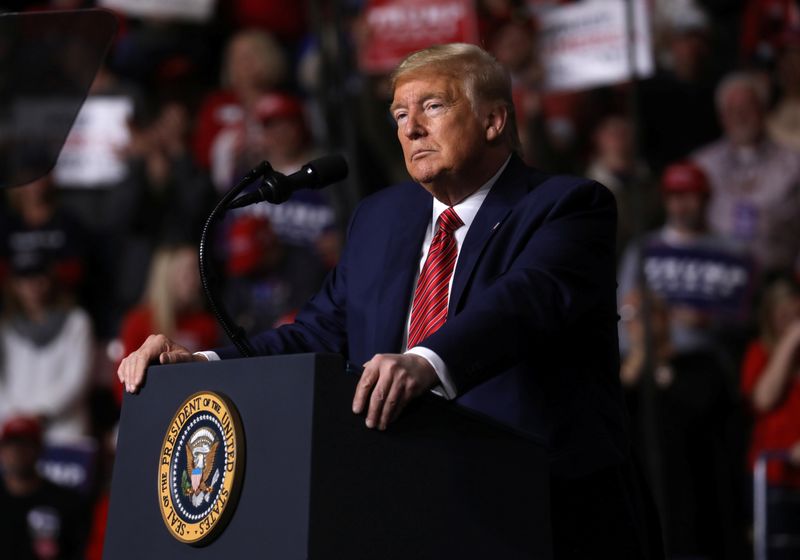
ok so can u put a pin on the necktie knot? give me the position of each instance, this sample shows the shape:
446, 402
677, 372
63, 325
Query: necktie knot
449, 221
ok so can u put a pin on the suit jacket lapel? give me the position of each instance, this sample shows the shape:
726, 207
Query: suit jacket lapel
400, 266
510, 187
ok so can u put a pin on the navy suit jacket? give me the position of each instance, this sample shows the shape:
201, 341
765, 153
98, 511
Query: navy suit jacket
531, 337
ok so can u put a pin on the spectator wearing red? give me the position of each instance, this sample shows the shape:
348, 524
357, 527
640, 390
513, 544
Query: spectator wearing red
268, 280
173, 303
283, 138
254, 64
771, 380
763, 24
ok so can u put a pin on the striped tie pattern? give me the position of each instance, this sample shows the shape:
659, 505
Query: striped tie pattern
431, 298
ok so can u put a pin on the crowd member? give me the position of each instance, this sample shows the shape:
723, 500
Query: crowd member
46, 352
614, 164
513, 44
172, 303
755, 183
705, 280
694, 406
285, 19
771, 380
165, 196
267, 280
764, 23
308, 219
37, 225
677, 103
535, 272
41, 521
783, 122
254, 64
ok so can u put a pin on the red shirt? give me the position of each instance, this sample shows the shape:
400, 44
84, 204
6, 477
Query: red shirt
775, 429
196, 331
219, 110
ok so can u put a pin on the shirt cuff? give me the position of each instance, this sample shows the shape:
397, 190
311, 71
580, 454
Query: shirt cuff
447, 388
210, 355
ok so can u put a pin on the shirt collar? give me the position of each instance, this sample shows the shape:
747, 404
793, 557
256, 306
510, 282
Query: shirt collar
468, 208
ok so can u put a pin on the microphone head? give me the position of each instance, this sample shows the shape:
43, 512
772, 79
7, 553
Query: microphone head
326, 170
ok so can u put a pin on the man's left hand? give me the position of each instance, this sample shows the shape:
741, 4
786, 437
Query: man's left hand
387, 385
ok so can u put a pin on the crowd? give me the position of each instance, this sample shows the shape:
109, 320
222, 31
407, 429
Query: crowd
703, 158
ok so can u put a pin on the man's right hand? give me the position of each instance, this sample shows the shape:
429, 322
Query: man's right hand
157, 346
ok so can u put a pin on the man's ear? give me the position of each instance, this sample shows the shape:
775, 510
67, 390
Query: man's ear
495, 121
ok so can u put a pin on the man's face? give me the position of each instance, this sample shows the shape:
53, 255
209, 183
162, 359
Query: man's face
741, 116
686, 211
18, 456
441, 136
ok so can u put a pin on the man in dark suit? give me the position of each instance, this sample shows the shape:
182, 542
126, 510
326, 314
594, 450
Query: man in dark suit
498, 291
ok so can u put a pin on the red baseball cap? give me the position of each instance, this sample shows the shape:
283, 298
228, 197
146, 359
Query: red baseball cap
684, 177
278, 105
22, 427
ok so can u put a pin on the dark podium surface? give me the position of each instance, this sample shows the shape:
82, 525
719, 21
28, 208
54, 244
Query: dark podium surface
439, 483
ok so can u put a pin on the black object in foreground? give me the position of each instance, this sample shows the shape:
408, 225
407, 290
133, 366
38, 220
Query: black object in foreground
277, 187
47, 63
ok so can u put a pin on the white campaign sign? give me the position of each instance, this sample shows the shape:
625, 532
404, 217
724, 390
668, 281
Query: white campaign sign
585, 45
188, 10
92, 154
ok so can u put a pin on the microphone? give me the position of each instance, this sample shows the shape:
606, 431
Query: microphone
277, 187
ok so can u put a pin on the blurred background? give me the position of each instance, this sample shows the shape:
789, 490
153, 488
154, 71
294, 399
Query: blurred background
687, 110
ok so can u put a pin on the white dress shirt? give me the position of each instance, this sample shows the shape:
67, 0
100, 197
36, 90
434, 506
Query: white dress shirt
467, 209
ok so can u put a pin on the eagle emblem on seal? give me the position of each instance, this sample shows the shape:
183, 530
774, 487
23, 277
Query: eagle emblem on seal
197, 482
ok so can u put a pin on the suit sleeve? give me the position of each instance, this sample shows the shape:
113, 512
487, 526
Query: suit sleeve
561, 277
320, 326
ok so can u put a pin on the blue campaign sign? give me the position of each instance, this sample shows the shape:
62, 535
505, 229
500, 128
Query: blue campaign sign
716, 281
72, 466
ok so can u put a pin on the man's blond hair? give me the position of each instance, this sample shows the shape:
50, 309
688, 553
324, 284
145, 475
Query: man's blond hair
483, 79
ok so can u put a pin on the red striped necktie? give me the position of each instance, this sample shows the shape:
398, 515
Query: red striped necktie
429, 308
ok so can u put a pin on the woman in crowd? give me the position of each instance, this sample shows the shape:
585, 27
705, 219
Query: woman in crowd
172, 304
771, 380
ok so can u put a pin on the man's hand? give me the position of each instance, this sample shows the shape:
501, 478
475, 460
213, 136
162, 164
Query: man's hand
132, 369
388, 383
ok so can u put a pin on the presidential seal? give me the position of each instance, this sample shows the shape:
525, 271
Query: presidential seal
200, 468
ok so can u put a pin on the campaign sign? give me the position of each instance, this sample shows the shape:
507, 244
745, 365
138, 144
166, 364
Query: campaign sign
396, 28
195, 11
70, 465
587, 44
714, 281
93, 154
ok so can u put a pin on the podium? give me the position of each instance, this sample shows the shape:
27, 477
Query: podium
439, 483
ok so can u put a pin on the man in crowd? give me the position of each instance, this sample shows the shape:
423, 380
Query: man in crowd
479, 282
704, 279
755, 183
41, 521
